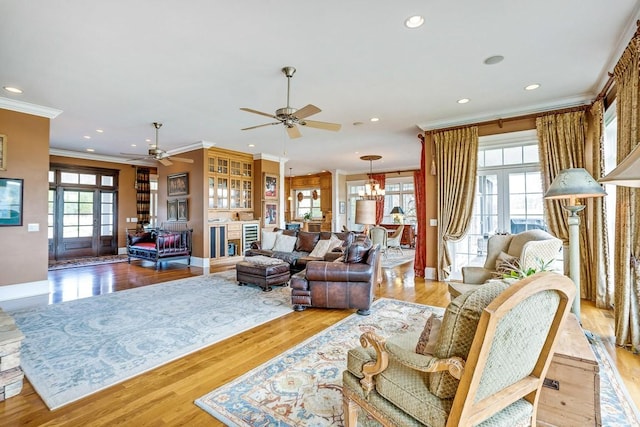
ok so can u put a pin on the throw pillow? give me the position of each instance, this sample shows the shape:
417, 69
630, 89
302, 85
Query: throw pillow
427, 341
284, 243
505, 264
269, 239
307, 241
321, 248
357, 252
335, 243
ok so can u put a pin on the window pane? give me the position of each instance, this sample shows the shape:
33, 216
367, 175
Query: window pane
87, 179
106, 197
69, 178
493, 157
534, 183
86, 197
85, 231
106, 181
52, 176
512, 155
70, 232
516, 183
71, 196
85, 219
530, 153
106, 230
86, 208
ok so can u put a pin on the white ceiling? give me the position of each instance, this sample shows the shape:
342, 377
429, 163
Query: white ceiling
121, 65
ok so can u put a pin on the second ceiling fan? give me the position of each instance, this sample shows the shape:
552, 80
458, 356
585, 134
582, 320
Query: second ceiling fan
290, 117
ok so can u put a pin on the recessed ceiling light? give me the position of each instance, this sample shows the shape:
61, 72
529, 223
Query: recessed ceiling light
252, 145
99, 130
12, 89
533, 86
463, 100
495, 59
147, 140
87, 137
133, 145
374, 119
414, 21
91, 150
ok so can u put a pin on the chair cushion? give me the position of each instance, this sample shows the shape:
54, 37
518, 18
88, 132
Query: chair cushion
458, 329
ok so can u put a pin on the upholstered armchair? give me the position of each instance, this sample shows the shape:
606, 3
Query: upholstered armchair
378, 236
347, 283
393, 241
486, 364
527, 249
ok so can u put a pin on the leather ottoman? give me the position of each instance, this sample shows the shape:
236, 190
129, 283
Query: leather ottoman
257, 271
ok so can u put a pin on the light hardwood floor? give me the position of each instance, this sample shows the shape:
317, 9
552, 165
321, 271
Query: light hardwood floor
165, 395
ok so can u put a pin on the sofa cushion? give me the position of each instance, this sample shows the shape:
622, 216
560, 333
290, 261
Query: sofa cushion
321, 248
140, 237
284, 243
268, 239
357, 251
307, 241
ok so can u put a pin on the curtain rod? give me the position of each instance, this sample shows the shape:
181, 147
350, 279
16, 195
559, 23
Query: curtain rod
500, 122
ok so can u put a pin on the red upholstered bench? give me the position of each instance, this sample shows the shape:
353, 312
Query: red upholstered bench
159, 245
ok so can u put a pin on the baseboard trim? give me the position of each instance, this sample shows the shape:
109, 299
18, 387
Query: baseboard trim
24, 294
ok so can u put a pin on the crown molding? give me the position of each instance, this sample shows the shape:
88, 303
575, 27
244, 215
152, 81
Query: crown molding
98, 157
534, 109
191, 147
27, 108
271, 157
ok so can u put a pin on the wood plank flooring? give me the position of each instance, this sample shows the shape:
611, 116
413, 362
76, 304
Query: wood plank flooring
165, 395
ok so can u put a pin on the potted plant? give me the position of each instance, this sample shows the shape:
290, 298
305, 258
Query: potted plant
307, 217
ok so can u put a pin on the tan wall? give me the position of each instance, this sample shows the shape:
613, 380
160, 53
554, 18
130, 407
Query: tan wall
261, 167
23, 255
126, 190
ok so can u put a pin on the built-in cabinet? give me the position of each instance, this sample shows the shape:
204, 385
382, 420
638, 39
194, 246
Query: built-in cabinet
229, 182
231, 238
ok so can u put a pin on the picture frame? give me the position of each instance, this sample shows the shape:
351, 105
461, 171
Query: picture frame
11, 196
270, 186
270, 214
343, 208
178, 184
172, 210
3, 152
183, 210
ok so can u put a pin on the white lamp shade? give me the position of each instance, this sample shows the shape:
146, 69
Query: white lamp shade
627, 173
365, 212
574, 183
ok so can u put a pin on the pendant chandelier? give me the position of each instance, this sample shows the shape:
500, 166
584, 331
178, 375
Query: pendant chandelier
372, 190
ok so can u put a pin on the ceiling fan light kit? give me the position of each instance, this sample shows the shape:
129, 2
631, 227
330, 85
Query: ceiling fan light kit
291, 117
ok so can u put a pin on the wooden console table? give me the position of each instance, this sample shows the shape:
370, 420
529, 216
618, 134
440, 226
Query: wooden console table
408, 234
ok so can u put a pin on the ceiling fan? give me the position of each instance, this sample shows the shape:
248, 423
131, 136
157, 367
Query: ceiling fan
155, 153
290, 117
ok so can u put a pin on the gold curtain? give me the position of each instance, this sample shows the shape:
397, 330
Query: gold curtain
627, 235
600, 289
561, 139
457, 163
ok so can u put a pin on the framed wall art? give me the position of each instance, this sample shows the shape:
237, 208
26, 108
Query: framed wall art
183, 210
270, 214
270, 186
11, 191
172, 210
3, 152
178, 184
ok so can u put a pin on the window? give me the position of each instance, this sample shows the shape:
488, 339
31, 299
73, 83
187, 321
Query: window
610, 162
400, 192
308, 202
509, 196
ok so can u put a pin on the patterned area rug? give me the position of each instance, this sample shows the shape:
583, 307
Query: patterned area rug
394, 258
302, 387
82, 262
77, 348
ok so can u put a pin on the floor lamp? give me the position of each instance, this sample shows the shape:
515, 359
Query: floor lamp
572, 184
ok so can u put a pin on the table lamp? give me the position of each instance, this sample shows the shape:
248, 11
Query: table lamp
398, 214
366, 213
572, 184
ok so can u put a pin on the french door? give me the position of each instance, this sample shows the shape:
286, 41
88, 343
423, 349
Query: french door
82, 218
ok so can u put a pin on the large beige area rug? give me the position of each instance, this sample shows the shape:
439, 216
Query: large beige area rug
76, 348
302, 387
86, 261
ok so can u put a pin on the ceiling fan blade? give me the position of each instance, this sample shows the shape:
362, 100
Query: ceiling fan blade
293, 131
165, 162
321, 125
249, 110
306, 111
180, 159
259, 126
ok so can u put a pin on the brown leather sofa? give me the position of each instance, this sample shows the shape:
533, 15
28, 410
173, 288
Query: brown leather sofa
346, 284
306, 240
